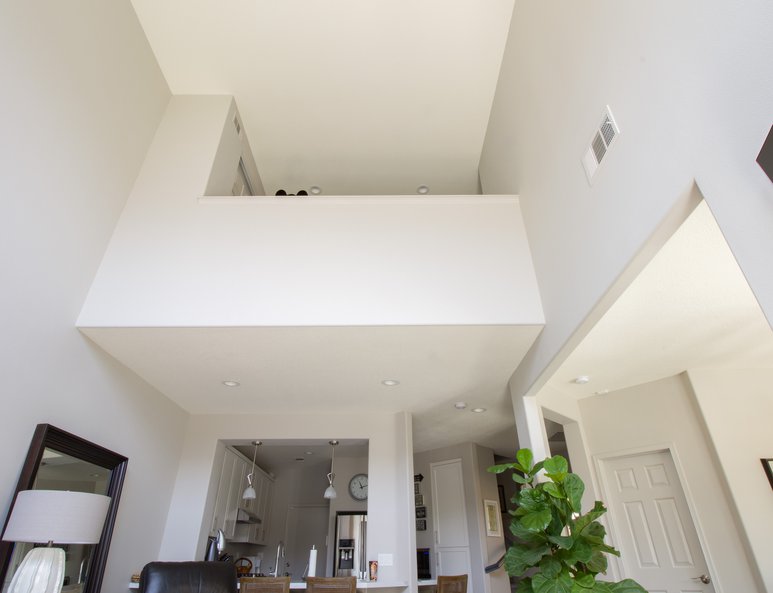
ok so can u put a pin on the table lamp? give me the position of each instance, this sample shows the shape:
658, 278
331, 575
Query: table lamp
48, 516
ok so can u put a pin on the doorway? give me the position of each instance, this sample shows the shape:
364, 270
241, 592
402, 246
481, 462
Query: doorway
657, 538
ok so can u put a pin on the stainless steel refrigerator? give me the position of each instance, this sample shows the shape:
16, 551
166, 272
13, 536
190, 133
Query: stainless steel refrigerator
350, 558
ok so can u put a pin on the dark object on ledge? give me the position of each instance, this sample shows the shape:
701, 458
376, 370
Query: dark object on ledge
188, 577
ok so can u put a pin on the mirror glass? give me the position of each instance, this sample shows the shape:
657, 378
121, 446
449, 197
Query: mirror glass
58, 460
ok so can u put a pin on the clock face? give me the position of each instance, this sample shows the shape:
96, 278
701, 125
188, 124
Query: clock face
358, 487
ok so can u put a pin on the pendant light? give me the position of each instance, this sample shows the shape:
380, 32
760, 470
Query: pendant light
330, 492
249, 492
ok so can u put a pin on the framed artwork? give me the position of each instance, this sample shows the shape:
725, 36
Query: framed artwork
421, 525
417, 488
768, 465
492, 517
421, 512
419, 500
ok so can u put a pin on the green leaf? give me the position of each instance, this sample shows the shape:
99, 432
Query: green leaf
553, 490
524, 534
526, 458
536, 520
562, 541
532, 499
627, 586
582, 551
550, 567
594, 533
560, 584
597, 562
520, 558
601, 587
503, 467
574, 489
524, 586
556, 465
520, 479
586, 581
583, 521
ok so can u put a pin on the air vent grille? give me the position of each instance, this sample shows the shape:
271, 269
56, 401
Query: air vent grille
237, 125
600, 144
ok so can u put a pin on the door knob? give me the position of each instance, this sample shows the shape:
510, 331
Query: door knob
704, 578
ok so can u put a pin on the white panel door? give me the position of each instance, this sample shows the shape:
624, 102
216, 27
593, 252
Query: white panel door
657, 539
452, 545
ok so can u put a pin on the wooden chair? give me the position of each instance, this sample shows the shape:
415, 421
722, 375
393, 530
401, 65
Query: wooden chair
331, 584
452, 584
264, 585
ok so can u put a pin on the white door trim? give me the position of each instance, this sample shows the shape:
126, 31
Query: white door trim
604, 490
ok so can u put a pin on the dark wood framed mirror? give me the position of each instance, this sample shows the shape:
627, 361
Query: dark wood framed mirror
59, 460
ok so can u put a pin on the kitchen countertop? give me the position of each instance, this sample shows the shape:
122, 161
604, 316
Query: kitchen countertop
360, 585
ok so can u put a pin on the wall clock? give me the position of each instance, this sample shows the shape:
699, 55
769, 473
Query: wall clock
358, 487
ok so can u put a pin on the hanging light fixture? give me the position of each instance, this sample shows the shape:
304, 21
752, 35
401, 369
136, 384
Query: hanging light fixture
249, 492
330, 492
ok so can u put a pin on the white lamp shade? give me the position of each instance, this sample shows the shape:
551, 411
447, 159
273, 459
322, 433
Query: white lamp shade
249, 493
330, 492
60, 516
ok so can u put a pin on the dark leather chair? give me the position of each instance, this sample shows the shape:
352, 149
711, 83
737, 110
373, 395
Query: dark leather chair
331, 584
188, 577
452, 584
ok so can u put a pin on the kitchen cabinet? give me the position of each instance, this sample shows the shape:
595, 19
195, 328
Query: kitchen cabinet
233, 481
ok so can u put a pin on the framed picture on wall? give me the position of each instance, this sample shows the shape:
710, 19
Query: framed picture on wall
492, 517
421, 512
421, 525
419, 500
417, 488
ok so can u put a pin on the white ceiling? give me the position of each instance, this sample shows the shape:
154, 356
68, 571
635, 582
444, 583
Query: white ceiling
376, 98
690, 308
333, 370
356, 97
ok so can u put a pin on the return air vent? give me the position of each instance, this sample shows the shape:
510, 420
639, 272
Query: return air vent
237, 125
602, 140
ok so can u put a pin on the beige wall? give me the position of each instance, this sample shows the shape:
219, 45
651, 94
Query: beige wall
690, 86
663, 414
82, 97
737, 407
478, 486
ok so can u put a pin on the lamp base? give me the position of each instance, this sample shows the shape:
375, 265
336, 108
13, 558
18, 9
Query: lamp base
41, 571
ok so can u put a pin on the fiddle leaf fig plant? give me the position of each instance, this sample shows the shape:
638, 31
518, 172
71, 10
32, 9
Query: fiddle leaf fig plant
558, 549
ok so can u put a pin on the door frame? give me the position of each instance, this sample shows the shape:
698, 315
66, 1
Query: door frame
613, 529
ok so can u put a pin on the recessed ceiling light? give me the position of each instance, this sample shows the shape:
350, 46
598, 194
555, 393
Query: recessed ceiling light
309, 452
422, 189
315, 189
390, 382
231, 383
478, 410
460, 405
582, 379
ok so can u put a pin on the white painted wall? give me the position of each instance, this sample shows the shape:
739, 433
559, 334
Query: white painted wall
175, 260
661, 414
736, 406
691, 88
389, 469
82, 96
478, 485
